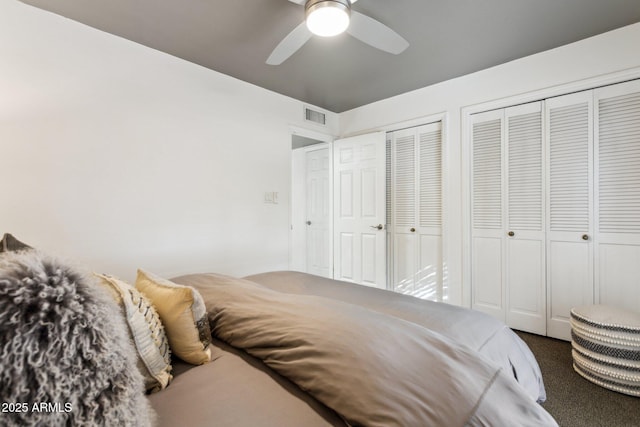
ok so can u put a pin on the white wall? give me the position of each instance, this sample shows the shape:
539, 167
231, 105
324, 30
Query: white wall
568, 68
118, 156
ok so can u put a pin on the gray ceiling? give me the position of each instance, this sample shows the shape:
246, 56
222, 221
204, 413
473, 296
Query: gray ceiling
448, 38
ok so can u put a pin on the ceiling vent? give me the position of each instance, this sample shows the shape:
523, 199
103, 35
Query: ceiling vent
314, 116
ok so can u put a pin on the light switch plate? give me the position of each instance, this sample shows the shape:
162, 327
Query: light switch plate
271, 197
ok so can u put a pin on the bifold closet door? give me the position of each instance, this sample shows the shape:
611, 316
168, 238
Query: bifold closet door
508, 208
403, 205
429, 215
525, 218
617, 195
487, 221
416, 203
579, 236
569, 125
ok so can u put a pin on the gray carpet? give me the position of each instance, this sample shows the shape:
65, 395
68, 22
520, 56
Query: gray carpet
572, 400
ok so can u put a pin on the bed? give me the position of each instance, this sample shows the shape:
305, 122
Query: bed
273, 349
293, 349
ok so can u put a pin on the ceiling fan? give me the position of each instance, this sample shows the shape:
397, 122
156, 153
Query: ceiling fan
339, 17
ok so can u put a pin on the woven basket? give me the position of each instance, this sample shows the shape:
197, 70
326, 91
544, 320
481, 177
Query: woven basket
605, 345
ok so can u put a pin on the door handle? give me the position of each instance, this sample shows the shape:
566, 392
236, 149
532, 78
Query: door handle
511, 234
308, 222
413, 230
377, 227
585, 237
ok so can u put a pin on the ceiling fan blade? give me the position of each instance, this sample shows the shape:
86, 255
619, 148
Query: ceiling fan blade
376, 34
290, 44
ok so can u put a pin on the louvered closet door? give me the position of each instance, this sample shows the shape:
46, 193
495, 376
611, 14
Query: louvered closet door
525, 244
507, 215
570, 208
617, 178
416, 190
404, 210
429, 214
487, 223
389, 212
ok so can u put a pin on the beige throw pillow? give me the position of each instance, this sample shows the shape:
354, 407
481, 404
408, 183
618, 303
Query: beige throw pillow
146, 332
183, 314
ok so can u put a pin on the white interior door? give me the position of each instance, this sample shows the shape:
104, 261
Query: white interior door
570, 208
359, 209
318, 212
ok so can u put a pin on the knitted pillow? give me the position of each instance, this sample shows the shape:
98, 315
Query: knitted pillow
64, 346
146, 332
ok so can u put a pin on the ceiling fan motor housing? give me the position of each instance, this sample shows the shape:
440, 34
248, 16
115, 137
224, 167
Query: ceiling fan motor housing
312, 5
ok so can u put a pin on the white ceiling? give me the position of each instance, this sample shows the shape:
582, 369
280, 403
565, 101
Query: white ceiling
448, 38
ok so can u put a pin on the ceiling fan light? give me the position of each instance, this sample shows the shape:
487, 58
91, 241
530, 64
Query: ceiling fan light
327, 18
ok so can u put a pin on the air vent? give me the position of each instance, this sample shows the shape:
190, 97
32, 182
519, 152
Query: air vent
314, 116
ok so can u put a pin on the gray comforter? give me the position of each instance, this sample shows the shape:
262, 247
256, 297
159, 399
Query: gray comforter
478, 331
370, 365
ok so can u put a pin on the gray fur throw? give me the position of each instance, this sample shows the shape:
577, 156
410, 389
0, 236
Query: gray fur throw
65, 357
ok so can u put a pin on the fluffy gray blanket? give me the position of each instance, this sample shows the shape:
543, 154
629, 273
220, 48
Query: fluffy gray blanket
65, 358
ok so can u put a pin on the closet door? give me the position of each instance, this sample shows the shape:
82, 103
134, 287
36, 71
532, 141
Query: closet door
429, 214
508, 227
570, 208
403, 146
416, 186
487, 222
617, 177
525, 244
